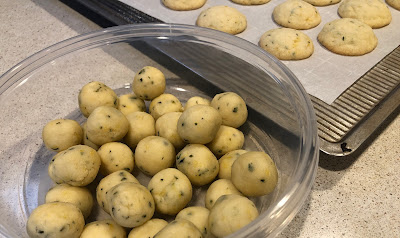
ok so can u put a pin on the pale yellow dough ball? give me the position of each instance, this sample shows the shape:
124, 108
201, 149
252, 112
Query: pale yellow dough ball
129, 103
254, 174
115, 156
179, 229
103, 229
148, 229
131, 204
78, 196
76, 166
226, 161
106, 124
198, 163
230, 213
196, 101
55, 220
199, 217
148, 83
231, 107
96, 94
86, 140
153, 154
227, 139
109, 182
217, 189
199, 124
171, 190
167, 127
141, 125
60, 134
163, 104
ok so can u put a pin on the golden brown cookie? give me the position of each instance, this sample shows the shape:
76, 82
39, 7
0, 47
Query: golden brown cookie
296, 14
183, 5
348, 36
322, 2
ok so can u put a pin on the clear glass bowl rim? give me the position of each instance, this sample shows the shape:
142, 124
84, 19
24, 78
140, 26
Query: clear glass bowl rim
272, 221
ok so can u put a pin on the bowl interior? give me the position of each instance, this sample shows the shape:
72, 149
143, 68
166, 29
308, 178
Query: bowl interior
196, 62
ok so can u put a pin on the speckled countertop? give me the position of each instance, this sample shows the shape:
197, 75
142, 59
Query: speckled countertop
353, 196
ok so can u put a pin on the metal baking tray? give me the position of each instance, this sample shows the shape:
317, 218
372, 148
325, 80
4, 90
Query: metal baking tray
342, 126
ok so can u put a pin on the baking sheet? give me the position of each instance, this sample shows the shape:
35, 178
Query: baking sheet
324, 75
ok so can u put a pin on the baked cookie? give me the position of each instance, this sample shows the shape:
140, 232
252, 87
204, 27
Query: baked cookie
251, 2
183, 5
223, 18
296, 14
348, 36
287, 44
374, 13
321, 3
394, 3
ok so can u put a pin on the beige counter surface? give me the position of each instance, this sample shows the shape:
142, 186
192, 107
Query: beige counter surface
353, 196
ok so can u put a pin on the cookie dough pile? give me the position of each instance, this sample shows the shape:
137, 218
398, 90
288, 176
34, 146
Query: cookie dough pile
351, 36
179, 148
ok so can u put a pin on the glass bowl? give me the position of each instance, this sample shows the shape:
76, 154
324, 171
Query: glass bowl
196, 61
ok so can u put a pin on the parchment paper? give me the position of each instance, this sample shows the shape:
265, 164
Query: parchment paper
324, 75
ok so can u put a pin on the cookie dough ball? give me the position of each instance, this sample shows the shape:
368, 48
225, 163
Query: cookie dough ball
226, 140
163, 104
115, 156
85, 139
96, 94
183, 5
374, 13
394, 3
78, 196
223, 18
141, 125
129, 103
321, 3
254, 174
196, 101
198, 216
251, 2
55, 220
230, 213
199, 124
226, 161
171, 190
296, 14
109, 182
179, 229
106, 124
198, 163
103, 229
76, 166
153, 154
167, 127
61, 134
131, 204
287, 44
231, 107
148, 229
348, 36
148, 83
217, 189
